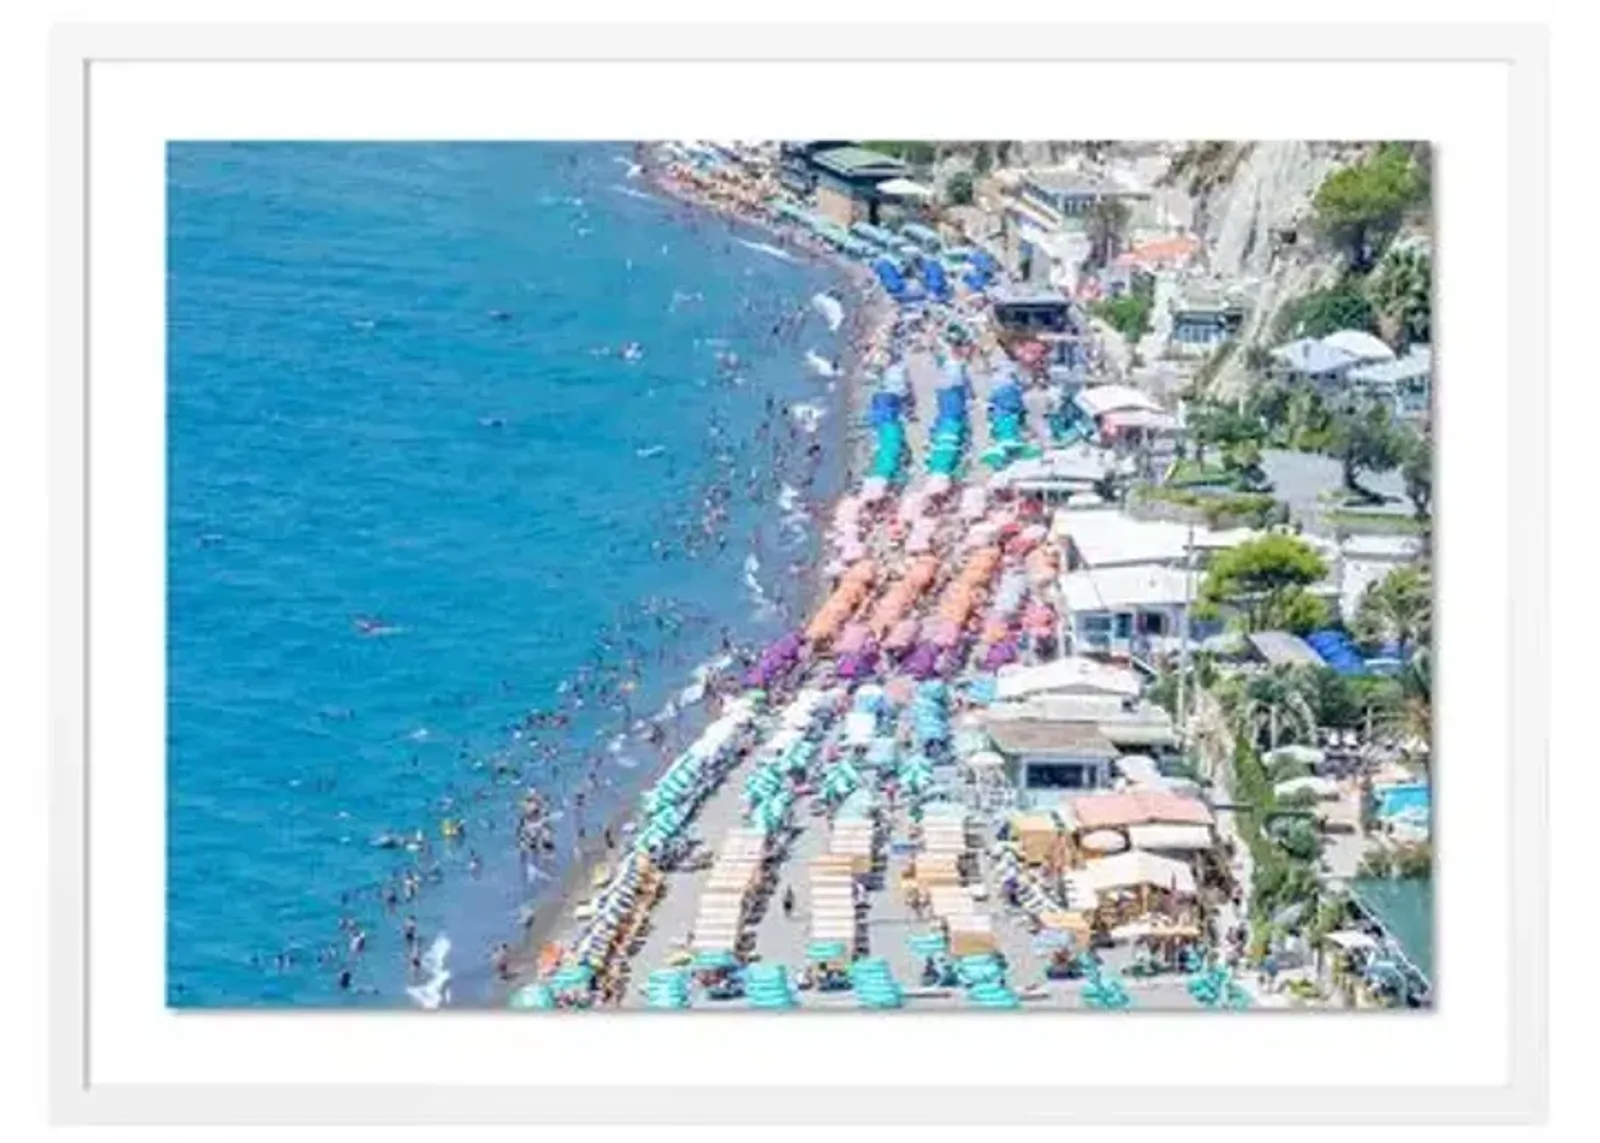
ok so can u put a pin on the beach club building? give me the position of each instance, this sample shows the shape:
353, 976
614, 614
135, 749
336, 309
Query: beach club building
848, 181
796, 171
1051, 760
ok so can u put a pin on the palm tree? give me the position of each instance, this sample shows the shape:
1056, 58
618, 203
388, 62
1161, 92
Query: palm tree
1277, 703
1402, 293
1411, 720
1398, 609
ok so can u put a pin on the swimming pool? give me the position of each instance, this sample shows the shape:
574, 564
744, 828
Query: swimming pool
1403, 801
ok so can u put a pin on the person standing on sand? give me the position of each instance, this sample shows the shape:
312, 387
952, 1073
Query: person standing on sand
788, 901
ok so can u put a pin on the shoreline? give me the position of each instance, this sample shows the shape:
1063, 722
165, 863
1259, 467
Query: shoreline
868, 318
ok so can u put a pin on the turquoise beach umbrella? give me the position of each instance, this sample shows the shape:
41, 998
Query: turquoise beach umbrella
825, 950
714, 959
533, 996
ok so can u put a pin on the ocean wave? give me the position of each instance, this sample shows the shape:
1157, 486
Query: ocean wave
434, 991
752, 583
820, 364
807, 416
828, 306
631, 193
764, 248
794, 513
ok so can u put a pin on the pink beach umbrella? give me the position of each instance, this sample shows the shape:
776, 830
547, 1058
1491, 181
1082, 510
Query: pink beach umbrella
854, 639
902, 636
946, 635
1039, 619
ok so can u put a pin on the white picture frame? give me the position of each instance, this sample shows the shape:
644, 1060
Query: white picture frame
78, 1097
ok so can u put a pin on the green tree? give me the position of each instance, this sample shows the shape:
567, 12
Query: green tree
958, 188
1276, 707
1365, 440
1264, 578
1128, 314
1108, 222
1211, 423
1416, 468
1397, 608
1345, 703
1321, 312
1411, 718
1298, 837
1401, 290
983, 156
1360, 207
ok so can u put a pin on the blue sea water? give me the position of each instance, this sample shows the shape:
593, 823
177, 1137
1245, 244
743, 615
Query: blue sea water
395, 394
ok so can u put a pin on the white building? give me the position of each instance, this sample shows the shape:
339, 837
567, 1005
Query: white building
1116, 539
1130, 610
1405, 384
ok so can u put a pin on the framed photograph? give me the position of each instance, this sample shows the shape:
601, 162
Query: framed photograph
853, 575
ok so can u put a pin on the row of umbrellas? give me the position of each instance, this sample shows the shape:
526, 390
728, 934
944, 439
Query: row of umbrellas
669, 804
930, 715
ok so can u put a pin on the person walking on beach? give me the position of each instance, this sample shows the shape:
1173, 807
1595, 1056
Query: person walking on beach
788, 901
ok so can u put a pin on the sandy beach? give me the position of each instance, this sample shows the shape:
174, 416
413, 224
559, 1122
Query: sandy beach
735, 829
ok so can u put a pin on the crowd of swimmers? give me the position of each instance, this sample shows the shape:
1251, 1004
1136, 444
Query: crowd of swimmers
780, 458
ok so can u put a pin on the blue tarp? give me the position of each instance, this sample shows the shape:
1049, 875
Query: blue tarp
1337, 651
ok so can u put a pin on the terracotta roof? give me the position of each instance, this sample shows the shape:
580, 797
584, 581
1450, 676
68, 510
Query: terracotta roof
1137, 807
1174, 249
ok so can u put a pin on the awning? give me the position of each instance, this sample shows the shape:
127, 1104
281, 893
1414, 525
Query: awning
1352, 939
904, 188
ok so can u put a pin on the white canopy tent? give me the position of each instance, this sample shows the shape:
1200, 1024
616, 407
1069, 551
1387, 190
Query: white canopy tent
1138, 867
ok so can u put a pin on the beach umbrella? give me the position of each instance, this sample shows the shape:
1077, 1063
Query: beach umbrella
711, 959
825, 951
1105, 992
532, 996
